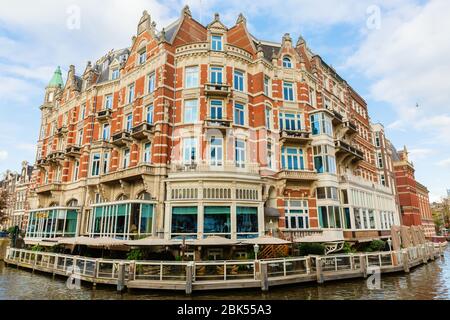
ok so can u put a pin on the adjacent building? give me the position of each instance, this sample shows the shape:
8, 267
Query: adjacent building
17, 187
196, 131
413, 196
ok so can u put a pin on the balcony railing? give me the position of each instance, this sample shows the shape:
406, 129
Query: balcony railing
121, 139
62, 131
218, 124
47, 188
206, 167
343, 147
42, 162
217, 90
351, 127
296, 136
298, 234
56, 155
73, 151
104, 115
128, 174
298, 175
142, 131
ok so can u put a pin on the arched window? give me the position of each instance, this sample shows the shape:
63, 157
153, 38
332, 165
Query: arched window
53, 204
72, 203
287, 62
122, 197
144, 196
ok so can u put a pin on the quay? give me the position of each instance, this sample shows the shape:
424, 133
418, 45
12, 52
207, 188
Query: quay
222, 275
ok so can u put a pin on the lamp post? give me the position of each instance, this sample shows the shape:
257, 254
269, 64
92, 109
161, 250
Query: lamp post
256, 249
389, 241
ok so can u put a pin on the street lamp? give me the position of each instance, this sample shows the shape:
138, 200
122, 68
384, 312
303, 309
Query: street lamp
256, 249
389, 241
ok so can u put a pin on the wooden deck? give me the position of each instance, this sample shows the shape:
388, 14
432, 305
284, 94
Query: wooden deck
262, 279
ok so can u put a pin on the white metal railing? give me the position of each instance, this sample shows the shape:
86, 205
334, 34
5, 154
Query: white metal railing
222, 271
287, 267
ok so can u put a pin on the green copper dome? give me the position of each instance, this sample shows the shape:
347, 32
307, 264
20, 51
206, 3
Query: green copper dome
57, 80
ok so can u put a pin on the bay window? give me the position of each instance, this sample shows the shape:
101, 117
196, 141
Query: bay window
324, 162
217, 220
330, 217
184, 221
192, 79
321, 124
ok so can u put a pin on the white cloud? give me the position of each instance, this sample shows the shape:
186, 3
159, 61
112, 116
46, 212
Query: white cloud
407, 61
420, 153
444, 163
3, 154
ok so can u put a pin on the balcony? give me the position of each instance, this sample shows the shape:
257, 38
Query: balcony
351, 127
344, 149
228, 167
104, 115
62, 131
48, 188
121, 139
300, 233
295, 136
56, 155
42, 162
337, 117
73, 151
142, 131
217, 90
129, 174
220, 124
298, 175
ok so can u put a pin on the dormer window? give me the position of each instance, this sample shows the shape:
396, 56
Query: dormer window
50, 97
217, 43
287, 63
142, 56
115, 74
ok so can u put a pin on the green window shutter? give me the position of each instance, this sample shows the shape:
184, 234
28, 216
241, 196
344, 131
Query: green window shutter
246, 210
184, 210
217, 210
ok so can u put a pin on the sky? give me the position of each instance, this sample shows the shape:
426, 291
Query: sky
394, 53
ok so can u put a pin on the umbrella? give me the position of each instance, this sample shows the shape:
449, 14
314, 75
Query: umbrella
151, 241
266, 240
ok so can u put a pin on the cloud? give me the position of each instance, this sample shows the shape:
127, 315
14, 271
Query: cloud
444, 163
407, 62
420, 153
3, 154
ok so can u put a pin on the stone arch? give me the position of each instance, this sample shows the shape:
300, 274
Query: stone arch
122, 197
72, 203
143, 195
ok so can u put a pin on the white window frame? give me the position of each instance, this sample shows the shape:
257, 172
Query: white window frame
190, 111
191, 77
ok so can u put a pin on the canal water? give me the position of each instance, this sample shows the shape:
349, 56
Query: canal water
427, 282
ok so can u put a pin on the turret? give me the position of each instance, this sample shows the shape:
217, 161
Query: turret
56, 84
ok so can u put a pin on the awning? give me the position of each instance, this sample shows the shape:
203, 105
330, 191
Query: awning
41, 242
266, 240
319, 239
151, 241
93, 242
212, 241
271, 212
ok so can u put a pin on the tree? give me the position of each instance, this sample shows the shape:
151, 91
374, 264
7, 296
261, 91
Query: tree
3, 205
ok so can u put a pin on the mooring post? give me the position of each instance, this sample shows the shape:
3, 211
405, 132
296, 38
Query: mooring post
363, 263
319, 270
189, 277
308, 264
405, 259
121, 277
264, 277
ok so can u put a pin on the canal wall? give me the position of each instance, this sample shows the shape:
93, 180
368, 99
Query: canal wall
4, 243
222, 275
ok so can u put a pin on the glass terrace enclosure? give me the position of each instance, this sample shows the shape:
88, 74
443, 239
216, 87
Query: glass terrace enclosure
122, 220
53, 223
